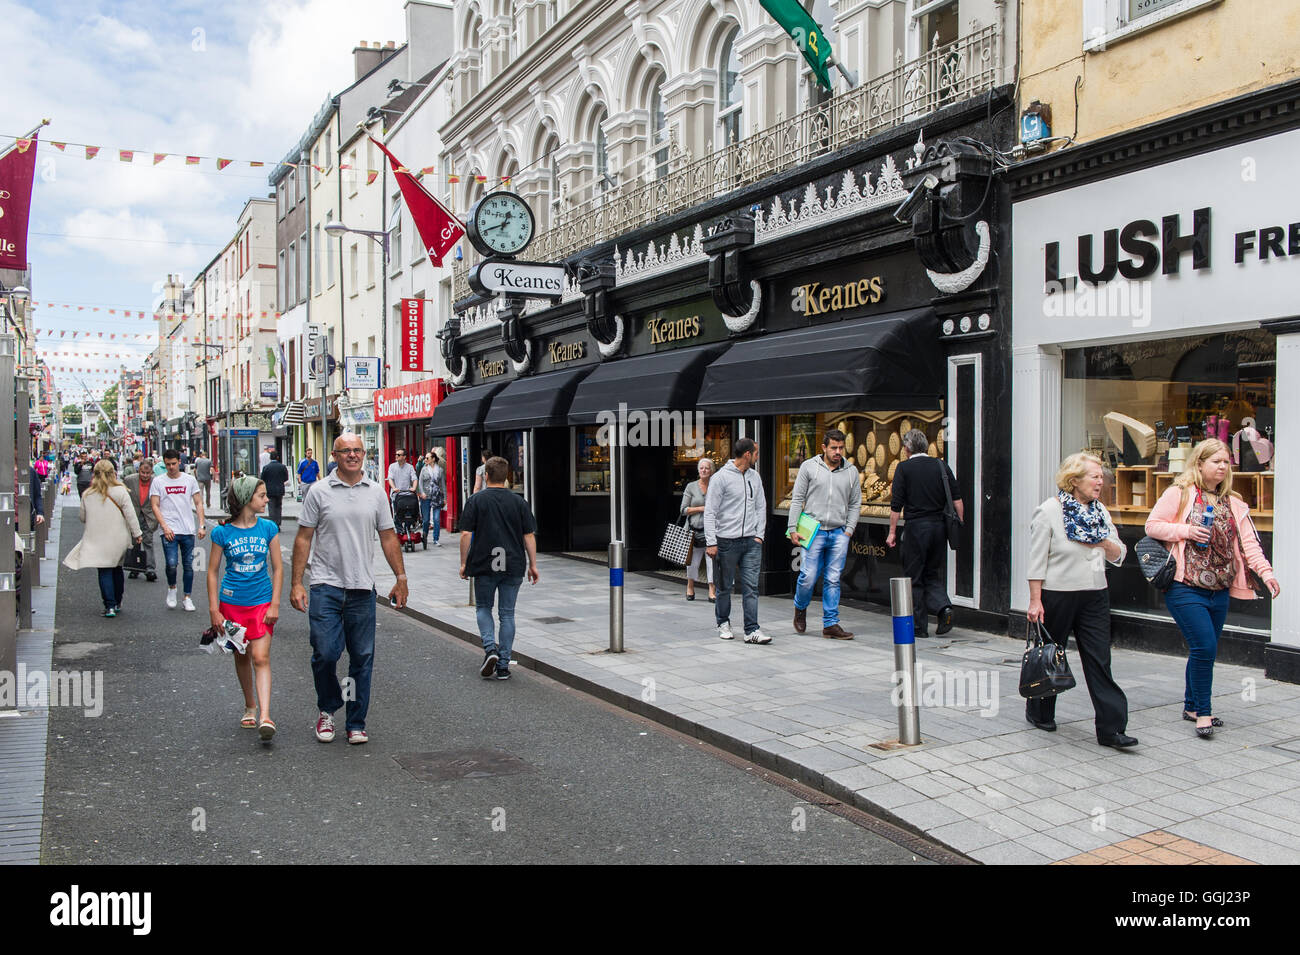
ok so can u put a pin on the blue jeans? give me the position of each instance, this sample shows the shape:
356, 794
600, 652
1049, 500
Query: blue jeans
430, 515
112, 585
743, 554
342, 618
829, 548
185, 543
486, 587
1200, 614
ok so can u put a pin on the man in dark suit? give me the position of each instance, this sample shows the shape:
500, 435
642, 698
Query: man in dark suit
137, 486
275, 476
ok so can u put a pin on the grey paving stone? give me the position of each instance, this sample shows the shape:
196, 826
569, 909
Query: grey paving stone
928, 815
1009, 853
889, 795
967, 835
1226, 833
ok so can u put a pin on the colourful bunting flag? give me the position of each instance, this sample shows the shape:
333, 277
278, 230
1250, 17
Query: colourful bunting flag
125, 155
61, 147
24, 144
158, 157
191, 160
92, 152
223, 163
371, 175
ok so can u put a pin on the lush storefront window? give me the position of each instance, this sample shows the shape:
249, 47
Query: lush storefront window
1140, 406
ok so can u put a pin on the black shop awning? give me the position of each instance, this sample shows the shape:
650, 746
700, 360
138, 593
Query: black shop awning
541, 401
666, 381
462, 411
888, 363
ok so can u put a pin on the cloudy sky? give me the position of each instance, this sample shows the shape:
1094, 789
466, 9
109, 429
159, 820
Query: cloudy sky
240, 79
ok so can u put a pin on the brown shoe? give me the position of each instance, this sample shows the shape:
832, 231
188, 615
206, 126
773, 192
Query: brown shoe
800, 620
837, 633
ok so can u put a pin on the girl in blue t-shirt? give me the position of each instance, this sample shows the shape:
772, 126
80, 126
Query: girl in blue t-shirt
249, 593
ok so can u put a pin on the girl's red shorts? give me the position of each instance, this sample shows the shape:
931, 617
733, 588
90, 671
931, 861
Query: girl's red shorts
250, 618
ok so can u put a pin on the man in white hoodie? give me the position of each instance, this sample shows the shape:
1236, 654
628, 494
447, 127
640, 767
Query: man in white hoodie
735, 519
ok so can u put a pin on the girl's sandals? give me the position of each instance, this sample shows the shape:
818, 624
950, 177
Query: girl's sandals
1214, 720
266, 729
250, 718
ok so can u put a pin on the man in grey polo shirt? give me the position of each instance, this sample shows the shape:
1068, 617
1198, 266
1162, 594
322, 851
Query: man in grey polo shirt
340, 517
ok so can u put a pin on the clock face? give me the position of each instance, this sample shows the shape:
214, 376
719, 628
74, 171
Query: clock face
502, 224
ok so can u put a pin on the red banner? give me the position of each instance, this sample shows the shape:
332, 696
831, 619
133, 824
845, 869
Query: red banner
438, 228
412, 334
407, 401
17, 168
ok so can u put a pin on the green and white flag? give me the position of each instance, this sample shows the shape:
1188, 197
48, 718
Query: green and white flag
806, 33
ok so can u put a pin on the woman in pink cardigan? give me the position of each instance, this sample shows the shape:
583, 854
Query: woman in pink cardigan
1211, 570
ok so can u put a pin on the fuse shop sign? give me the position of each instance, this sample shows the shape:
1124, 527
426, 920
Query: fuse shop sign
407, 401
413, 334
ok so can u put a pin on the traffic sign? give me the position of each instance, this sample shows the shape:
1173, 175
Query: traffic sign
323, 365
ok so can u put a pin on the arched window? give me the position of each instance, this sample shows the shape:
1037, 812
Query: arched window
550, 151
658, 126
731, 94
603, 180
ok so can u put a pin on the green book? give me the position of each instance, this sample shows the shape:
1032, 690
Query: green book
807, 528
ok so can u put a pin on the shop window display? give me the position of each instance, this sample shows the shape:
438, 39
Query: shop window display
1141, 406
512, 449
686, 458
590, 461
872, 440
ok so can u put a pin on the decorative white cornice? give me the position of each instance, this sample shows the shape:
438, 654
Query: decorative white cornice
676, 255
814, 212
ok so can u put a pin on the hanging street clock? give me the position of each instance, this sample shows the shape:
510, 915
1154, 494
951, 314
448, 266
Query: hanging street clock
501, 223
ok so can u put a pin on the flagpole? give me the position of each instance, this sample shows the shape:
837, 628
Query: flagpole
850, 78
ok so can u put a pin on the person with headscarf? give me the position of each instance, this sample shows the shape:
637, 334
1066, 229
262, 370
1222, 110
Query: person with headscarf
248, 595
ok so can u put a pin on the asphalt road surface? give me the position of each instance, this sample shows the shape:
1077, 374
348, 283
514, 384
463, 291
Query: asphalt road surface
166, 774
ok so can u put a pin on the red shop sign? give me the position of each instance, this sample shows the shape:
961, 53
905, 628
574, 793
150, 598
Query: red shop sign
413, 334
407, 401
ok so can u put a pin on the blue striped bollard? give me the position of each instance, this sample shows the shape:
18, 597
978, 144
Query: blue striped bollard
909, 717
617, 553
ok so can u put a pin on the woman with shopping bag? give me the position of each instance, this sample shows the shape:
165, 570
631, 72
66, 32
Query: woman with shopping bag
111, 526
1071, 538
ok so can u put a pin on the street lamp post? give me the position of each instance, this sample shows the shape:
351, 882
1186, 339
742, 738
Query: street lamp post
225, 384
338, 229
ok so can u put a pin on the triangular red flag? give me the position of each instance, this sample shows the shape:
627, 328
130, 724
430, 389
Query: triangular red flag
125, 155
223, 163
59, 146
92, 152
439, 229
158, 157
371, 175
192, 160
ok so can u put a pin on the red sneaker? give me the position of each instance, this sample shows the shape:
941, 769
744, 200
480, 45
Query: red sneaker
356, 737
325, 728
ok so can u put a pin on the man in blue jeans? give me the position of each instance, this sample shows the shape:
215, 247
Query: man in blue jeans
498, 534
175, 499
337, 527
735, 519
829, 491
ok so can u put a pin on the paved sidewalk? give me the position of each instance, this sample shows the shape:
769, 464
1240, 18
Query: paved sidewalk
984, 782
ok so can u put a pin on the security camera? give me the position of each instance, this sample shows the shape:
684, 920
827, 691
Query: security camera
912, 203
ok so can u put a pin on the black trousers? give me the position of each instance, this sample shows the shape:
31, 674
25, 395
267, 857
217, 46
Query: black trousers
1086, 614
925, 545
273, 506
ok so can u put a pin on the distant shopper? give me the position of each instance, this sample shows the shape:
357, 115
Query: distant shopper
203, 474
263, 459
693, 499
431, 485
249, 593
498, 542
176, 499
138, 486
1209, 572
110, 528
85, 473
735, 519
480, 474
1071, 537
828, 490
401, 476
308, 473
336, 530
275, 476
918, 494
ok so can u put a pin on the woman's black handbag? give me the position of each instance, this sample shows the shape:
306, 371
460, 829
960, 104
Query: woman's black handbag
1044, 671
135, 558
1156, 561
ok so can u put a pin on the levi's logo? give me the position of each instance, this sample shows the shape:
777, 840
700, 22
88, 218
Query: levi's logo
176, 490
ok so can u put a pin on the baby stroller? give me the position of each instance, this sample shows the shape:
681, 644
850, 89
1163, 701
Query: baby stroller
406, 519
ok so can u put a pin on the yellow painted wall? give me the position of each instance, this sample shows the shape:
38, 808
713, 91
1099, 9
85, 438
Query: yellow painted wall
1206, 56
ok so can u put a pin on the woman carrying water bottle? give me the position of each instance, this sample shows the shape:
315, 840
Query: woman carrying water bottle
1201, 507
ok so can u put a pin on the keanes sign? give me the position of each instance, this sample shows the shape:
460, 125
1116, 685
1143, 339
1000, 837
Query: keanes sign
529, 279
664, 330
817, 299
491, 369
569, 351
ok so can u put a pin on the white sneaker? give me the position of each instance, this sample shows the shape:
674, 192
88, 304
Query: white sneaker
757, 637
724, 631
188, 604
171, 598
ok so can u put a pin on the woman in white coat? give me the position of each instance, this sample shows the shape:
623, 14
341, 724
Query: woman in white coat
111, 526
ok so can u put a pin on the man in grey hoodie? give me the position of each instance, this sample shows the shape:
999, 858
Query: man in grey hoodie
735, 518
829, 490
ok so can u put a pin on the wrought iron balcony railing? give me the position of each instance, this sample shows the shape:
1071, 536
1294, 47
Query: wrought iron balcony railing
947, 74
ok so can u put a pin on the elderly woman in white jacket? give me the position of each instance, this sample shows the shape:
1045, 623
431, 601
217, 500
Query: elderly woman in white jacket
1071, 537
111, 526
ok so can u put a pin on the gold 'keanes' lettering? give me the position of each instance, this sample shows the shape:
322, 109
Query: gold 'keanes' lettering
490, 369
663, 330
569, 352
817, 299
